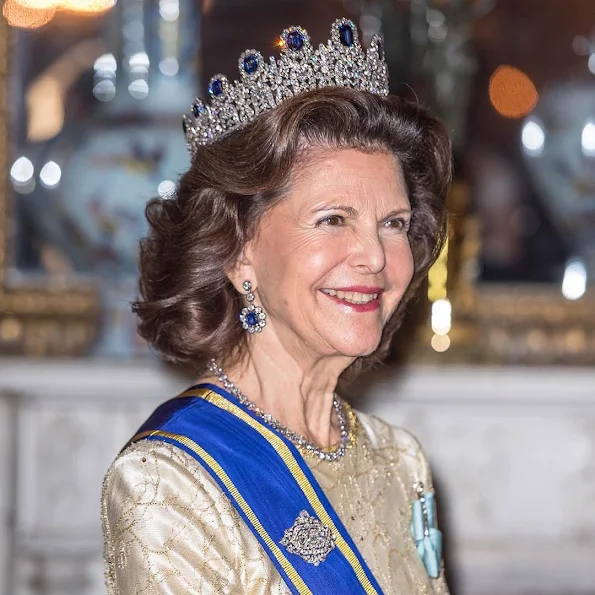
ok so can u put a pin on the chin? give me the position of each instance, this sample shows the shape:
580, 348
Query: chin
358, 346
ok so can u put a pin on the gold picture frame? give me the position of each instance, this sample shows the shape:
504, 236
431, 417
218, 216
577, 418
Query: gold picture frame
54, 317
511, 323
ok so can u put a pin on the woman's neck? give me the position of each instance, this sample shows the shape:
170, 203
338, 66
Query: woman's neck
298, 393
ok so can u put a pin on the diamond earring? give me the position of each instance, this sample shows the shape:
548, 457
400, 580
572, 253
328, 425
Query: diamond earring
252, 317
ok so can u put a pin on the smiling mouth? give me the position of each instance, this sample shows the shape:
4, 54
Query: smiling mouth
352, 297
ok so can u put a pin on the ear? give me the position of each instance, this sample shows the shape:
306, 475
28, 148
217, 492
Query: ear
243, 270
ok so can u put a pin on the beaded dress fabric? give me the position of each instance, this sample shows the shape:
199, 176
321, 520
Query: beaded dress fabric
169, 528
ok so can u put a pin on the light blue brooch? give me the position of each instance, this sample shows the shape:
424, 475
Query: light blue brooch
428, 539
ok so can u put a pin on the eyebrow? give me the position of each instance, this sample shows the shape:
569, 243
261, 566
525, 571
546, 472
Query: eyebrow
349, 210
354, 213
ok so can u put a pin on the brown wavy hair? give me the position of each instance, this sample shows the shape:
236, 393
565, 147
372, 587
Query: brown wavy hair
188, 308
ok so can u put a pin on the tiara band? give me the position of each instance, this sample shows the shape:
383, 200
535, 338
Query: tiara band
262, 86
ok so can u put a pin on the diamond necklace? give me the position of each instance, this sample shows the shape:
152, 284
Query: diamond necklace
345, 415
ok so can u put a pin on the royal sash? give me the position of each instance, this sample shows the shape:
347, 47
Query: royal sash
268, 482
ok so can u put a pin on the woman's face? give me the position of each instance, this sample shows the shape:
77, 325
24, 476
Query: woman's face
331, 261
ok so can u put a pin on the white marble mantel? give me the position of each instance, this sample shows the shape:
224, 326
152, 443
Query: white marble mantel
513, 452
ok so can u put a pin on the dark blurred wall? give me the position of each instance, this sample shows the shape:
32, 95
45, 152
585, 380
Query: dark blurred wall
231, 26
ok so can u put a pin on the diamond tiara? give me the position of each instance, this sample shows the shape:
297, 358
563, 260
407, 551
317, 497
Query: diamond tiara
262, 86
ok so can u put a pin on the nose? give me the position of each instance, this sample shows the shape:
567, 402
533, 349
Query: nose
368, 252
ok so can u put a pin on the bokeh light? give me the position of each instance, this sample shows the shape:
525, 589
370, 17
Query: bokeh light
512, 92
574, 283
533, 138
25, 17
32, 14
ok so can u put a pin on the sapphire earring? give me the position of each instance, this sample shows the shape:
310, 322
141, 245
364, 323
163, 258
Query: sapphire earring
252, 317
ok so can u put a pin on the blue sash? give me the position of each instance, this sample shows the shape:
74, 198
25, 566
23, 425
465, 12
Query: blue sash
268, 482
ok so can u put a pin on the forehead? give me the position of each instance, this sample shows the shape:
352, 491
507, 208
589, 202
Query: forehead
370, 178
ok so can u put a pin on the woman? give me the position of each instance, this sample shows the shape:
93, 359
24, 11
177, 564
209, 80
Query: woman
313, 208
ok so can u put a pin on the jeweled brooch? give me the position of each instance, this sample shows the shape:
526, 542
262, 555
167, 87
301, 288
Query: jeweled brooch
309, 538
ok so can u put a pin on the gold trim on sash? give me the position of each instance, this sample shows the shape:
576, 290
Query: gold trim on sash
297, 473
292, 573
292, 465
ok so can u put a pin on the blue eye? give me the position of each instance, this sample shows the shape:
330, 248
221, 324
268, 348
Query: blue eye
332, 221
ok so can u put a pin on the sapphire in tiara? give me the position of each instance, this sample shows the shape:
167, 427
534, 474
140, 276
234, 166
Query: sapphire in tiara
251, 64
294, 40
198, 109
216, 88
263, 85
346, 35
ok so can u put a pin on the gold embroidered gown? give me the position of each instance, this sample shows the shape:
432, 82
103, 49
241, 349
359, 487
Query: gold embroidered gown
169, 529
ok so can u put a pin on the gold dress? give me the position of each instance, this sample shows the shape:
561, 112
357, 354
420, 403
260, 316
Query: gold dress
169, 529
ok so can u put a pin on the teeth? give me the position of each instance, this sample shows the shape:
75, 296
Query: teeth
354, 297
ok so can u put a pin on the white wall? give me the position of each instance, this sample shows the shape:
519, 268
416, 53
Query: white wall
512, 451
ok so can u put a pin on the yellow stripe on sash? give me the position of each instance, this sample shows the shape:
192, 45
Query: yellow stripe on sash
297, 473
291, 572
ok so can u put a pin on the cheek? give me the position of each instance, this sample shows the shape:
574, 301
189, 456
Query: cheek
400, 265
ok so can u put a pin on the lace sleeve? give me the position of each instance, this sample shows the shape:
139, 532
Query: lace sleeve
169, 529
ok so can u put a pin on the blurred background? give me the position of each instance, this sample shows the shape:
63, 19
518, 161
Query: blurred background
493, 370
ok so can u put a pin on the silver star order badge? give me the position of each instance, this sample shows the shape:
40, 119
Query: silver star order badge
309, 538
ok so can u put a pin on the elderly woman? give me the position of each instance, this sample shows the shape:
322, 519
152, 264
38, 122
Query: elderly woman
313, 208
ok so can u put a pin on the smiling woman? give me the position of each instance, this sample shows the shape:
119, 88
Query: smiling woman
286, 258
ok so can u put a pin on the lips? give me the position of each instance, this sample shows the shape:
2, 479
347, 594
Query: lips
362, 299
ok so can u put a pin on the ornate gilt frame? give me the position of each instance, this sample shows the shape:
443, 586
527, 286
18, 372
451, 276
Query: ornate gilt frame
513, 323
53, 319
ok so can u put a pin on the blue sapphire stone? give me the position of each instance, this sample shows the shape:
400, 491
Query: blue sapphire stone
346, 35
294, 40
198, 109
251, 64
216, 87
252, 319
380, 48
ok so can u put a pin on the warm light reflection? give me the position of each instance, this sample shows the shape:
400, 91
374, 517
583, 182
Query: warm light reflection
83, 6
441, 312
21, 16
441, 317
512, 92
31, 14
440, 343
438, 276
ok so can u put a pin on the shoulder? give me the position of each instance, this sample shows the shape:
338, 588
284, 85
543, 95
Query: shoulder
156, 463
166, 524
404, 446
151, 476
